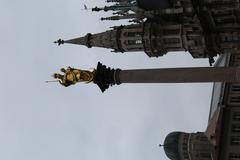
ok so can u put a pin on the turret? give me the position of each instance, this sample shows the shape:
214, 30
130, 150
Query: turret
188, 146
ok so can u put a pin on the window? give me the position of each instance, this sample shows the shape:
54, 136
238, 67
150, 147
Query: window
230, 38
235, 140
205, 155
171, 32
229, 20
234, 156
236, 128
132, 42
184, 148
236, 116
171, 40
134, 34
138, 41
203, 138
235, 99
185, 155
236, 38
235, 88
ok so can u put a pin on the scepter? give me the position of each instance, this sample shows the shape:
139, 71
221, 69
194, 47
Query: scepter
52, 81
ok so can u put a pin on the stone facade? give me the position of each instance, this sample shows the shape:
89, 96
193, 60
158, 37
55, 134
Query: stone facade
230, 134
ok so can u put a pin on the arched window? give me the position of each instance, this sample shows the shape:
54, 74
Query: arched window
235, 140
236, 116
234, 156
236, 128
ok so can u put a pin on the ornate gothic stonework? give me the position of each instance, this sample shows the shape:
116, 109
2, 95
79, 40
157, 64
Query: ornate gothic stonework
204, 28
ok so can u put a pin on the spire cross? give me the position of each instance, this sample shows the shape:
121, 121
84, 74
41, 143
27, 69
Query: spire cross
59, 42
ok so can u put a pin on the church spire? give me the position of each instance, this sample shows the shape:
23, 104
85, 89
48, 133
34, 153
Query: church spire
79, 41
107, 39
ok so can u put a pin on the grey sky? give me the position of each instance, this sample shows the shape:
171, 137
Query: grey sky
41, 121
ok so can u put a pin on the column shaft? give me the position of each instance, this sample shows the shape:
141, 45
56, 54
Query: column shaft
181, 75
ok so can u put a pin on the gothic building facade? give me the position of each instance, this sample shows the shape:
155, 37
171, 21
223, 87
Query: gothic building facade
204, 28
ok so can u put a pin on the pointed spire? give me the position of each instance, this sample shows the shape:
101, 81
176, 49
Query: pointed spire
127, 16
117, 7
80, 41
105, 39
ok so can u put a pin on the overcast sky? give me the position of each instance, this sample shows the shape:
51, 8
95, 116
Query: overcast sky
40, 121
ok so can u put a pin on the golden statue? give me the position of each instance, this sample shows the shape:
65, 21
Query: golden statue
72, 76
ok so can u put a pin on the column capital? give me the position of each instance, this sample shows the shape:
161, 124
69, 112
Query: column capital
106, 76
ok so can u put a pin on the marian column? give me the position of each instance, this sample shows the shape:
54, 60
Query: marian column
105, 77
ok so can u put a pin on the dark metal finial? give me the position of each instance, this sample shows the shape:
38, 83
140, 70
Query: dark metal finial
96, 9
59, 42
160, 145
